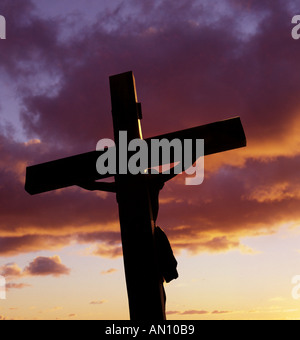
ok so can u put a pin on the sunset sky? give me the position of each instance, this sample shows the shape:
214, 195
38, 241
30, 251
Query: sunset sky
236, 237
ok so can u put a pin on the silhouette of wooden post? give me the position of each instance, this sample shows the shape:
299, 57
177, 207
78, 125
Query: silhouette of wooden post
144, 286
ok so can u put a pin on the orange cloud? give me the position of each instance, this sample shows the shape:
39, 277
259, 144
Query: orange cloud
109, 271
10, 246
108, 251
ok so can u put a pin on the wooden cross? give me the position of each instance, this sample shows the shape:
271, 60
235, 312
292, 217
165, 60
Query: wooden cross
134, 192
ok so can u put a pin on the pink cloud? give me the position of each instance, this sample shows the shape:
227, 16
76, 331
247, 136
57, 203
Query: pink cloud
40, 266
100, 302
43, 266
11, 270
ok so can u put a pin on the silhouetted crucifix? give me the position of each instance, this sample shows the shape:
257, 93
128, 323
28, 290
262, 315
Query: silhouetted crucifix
137, 195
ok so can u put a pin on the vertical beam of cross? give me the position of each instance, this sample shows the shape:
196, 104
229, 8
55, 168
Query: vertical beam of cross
144, 286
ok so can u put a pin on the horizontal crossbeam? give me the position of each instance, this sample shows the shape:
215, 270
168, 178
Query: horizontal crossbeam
218, 137
62, 173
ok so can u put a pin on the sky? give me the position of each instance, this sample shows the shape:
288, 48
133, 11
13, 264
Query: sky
236, 237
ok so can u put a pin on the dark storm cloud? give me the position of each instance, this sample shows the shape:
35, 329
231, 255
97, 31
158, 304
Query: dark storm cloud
194, 63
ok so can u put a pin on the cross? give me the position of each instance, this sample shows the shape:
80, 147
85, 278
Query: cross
137, 195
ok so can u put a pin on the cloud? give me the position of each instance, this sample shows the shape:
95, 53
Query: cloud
221, 312
16, 285
194, 312
100, 302
11, 270
30, 243
40, 266
43, 266
172, 312
197, 312
191, 69
108, 251
109, 271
